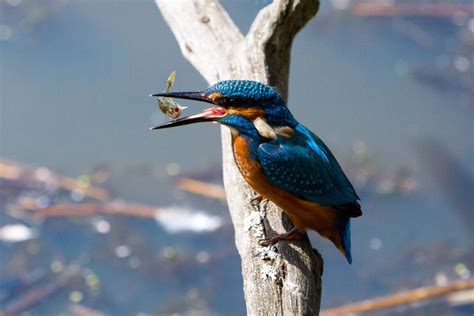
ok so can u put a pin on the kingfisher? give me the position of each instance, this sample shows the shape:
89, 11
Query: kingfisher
280, 158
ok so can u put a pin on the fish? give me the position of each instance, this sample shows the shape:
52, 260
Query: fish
168, 106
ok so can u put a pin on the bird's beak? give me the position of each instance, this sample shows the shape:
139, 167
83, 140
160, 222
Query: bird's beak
197, 96
208, 115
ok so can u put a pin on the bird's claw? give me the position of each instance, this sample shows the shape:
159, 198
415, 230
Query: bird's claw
255, 202
268, 241
293, 234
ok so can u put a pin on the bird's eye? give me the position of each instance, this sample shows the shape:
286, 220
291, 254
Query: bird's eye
228, 101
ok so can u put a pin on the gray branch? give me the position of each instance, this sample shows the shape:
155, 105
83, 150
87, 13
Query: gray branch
205, 33
284, 279
272, 33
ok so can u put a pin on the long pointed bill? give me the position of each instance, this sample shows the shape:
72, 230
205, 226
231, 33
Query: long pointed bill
208, 115
197, 96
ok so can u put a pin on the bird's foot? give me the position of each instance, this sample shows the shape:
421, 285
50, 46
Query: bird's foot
293, 234
255, 202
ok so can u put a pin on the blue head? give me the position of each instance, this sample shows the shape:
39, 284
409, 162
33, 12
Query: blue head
244, 93
237, 104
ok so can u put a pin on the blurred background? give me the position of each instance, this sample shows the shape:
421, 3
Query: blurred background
100, 216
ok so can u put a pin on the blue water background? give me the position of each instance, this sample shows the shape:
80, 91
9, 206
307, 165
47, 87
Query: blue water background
74, 93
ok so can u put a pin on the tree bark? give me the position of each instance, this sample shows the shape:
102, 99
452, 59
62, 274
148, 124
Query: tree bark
284, 279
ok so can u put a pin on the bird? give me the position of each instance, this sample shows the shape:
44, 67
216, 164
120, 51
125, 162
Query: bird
281, 159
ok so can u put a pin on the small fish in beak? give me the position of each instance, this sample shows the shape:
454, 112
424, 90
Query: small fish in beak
173, 110
167, 105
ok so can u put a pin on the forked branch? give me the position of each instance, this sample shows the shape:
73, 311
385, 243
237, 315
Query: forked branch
283, 279
205, 33
272, 33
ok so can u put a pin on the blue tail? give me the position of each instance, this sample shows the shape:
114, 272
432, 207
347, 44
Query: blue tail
345, 235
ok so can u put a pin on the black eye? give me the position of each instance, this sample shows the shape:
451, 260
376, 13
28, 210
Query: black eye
231, 101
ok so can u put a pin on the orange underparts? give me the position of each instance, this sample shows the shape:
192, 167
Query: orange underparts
303, 214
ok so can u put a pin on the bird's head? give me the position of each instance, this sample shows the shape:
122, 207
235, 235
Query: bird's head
237, 104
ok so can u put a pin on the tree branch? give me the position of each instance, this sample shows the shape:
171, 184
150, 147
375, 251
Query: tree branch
205, 33
284, 279
272, 34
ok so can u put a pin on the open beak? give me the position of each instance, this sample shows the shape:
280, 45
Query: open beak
208, 115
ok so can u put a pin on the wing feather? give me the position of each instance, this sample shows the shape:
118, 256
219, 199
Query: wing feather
304, 166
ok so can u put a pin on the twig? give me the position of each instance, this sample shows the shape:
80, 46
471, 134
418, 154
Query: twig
31, 177
37, 295
88, 209
213, 191
402, 298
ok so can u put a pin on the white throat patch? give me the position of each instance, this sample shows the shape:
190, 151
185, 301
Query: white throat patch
264, 129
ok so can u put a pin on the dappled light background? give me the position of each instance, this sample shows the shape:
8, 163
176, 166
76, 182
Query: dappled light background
96, 213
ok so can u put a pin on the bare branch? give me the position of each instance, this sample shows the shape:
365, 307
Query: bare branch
401, 298
283, 279
17, 177
210, 190
205, 33
281, 20
273, 31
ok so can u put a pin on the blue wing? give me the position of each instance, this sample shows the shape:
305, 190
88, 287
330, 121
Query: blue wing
305, 167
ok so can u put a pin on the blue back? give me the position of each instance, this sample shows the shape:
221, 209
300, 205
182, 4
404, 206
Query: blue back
304, 166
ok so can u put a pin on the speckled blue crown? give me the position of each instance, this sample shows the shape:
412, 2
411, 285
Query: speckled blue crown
254, 91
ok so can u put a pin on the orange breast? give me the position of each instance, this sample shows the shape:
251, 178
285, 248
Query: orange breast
304, 214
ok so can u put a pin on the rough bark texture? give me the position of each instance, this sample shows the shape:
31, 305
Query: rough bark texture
284, 279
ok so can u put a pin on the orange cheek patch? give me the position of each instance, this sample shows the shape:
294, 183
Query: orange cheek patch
214, 96
249, 113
